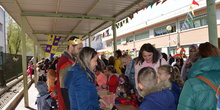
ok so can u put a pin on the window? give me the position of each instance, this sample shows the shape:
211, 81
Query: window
110, 44
162, 30
141, 36
1, 48
128, 39
118, 41
198, 21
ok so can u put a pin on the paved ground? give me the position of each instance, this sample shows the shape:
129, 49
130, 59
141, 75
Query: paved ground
32, 93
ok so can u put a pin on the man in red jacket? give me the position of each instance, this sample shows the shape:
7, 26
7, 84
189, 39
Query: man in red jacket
64, 63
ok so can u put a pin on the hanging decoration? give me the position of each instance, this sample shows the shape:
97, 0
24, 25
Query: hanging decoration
52, 44
192, 10
195, 3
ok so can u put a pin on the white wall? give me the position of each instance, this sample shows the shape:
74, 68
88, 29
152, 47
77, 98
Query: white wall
2, 31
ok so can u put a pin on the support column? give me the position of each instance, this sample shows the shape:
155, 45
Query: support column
38, 53
35, 64
24, 61
89, 40
114, 35
212, 23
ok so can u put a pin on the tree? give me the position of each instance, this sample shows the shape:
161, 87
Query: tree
14, 38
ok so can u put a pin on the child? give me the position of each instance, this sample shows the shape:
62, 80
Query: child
156, 94
30, 69
126, 97
112, 81
172, 74
101, 79
43, 94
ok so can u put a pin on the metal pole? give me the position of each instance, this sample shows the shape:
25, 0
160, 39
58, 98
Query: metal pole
169, 45
114, 35
35, 72
24, 61
89, 39
212, 24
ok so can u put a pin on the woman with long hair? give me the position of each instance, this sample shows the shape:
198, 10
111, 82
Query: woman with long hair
80, 81
148, 56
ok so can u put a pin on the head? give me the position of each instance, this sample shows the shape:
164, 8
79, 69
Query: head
111, 60
147, 79
169, 73
149, 54
123, 79
30, 62
87, 58
208, 50
192, 49
110, 70
165, 56
74, 45
97, 70
179, 61
118, 54
102, 56
124, 88
126, 59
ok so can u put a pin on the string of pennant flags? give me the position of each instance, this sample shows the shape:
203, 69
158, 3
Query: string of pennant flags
187, 22
131, 16
52, 44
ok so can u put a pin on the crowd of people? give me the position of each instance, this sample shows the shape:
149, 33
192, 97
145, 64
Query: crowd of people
151, 81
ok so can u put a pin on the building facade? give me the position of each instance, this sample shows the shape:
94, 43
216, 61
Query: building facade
186, 30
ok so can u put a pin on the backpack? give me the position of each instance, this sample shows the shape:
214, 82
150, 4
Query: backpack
216, 89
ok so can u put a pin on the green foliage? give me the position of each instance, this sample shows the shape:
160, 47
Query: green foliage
14, 38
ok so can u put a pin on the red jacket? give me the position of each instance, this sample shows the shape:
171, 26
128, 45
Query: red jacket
62, 63
112, 83
132, 102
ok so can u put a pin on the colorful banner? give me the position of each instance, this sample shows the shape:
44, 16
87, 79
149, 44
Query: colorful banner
52, 44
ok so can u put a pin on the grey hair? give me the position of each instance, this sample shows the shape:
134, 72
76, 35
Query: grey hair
84, 58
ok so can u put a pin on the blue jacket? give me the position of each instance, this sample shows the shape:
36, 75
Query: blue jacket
82, 90
158, 98
196, 94
176, 90
130, 72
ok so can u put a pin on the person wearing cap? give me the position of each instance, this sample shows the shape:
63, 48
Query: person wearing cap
65, 62
187, 65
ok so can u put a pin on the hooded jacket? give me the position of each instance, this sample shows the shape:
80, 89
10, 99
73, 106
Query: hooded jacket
196, 94
158, 98
42, 96
82, 90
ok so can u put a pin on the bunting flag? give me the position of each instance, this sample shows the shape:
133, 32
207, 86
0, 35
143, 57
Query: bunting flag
157, 2
183, 27
187, 20
148, 5
121, 24
163, 1
116, 26
192, 10
152, 4
126, 20
107, 32
52, 45
131, 16
136, 11
144, 6
186, 25
190, 16
195, 3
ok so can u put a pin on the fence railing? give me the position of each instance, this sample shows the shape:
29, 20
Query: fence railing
10, 67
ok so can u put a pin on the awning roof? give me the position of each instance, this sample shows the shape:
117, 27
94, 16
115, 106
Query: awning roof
69, 17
